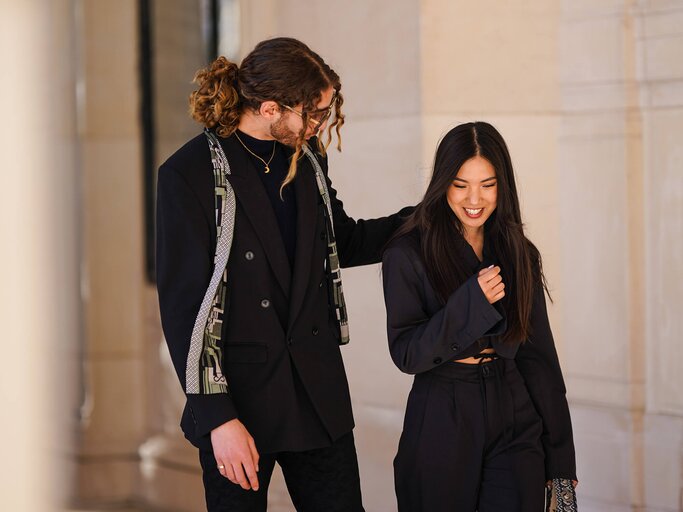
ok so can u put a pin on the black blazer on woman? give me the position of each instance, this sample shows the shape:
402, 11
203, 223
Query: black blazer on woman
280, 342
425, 333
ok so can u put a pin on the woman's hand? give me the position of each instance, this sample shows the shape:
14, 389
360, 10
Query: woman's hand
491, 283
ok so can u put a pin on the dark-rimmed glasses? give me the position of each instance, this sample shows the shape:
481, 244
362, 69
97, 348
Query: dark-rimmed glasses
317, 117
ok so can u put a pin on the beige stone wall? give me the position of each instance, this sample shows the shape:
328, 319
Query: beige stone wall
600, 166
618, 77
659, 71
589, 96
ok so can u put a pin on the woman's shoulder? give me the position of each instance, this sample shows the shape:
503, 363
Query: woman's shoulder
407, 241
406, 245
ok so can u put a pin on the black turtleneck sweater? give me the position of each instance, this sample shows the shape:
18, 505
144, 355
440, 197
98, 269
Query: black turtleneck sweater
285, 207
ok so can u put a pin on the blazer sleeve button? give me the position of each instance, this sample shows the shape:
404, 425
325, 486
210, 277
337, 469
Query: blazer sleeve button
455, 347
265, 303
315, 331
438, 360
249, 255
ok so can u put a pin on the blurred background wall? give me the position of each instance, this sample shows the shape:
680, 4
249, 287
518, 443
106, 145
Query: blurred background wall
588, 94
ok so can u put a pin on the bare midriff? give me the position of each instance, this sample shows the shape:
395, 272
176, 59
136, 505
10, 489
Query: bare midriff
476, 360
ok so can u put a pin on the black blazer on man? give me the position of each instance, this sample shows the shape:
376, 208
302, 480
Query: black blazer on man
281, 353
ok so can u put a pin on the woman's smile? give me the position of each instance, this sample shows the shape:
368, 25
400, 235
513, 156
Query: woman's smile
473, 213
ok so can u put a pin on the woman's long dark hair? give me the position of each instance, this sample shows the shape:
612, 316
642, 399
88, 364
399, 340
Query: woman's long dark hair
441, 232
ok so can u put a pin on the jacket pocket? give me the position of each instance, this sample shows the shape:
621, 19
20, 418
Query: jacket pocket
256, 353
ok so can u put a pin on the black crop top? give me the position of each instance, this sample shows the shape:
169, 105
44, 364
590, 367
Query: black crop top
423, 332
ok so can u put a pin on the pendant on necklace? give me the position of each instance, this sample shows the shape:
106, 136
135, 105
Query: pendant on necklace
267, 169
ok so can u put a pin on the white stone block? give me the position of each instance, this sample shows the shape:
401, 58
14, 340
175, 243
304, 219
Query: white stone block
499, 56
377, 172
592, 50
603, 454
663, 471
587, 97
376, 435
593, 221
584, 9
663, 58
663, 156
666, 22
663, 94
373, 377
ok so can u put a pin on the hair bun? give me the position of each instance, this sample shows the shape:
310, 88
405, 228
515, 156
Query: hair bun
216, 101
223, 69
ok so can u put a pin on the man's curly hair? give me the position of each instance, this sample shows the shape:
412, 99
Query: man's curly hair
283, 70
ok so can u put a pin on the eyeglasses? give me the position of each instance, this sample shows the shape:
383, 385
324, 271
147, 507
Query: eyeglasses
317, 117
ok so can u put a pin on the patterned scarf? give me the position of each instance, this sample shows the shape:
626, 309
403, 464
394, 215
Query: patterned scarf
203, 374
332, 264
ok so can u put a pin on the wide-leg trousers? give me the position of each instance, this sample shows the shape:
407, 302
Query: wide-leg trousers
319, 480
470, 442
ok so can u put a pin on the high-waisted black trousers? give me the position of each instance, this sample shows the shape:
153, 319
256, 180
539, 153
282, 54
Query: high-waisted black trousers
470, 442
320, 480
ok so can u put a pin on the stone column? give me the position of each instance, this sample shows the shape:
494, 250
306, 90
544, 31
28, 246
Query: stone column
621, 224
40, 257
601, 203
659, 70
113, 412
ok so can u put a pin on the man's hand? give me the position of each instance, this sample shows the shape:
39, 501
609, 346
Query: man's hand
235, 453
491, 283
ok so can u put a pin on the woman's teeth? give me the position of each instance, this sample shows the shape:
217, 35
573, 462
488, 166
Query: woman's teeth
473, 212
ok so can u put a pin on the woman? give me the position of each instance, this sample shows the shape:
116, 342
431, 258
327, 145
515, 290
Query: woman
487, 421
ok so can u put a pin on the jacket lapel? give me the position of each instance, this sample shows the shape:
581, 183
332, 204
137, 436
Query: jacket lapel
307, 207
253, 198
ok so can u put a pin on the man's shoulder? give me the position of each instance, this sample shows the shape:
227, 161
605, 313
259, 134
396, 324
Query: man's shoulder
189, 158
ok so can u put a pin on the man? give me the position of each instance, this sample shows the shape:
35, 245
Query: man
255, 342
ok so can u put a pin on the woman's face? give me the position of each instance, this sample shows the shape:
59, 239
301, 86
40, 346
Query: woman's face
474, 192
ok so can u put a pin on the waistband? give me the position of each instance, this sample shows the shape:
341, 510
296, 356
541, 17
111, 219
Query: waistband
474, 372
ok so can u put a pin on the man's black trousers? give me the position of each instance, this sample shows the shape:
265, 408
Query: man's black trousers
320, 480
470, 442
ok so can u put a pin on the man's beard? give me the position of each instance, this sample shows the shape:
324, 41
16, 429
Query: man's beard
281, 133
